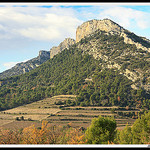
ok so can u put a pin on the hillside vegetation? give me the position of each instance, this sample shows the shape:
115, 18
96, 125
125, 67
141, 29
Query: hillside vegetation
76, 71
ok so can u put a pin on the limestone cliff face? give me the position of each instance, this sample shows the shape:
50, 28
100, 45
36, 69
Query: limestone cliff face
108, 25
65, 44
91, 26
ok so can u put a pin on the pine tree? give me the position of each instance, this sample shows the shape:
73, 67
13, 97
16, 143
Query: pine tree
101, 130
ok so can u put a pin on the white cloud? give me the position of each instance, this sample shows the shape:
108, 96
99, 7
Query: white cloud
37, 23
51, 27
127, 17
26, 30
57, 23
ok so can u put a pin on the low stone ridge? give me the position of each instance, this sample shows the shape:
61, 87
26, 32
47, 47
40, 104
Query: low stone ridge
31, 64
24, 67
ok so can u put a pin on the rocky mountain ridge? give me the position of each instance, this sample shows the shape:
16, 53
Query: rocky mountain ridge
101, 68
131, 62
43, 56
111, 27
65, 44
133, 50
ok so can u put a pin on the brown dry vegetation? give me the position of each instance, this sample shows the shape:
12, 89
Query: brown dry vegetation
46, 134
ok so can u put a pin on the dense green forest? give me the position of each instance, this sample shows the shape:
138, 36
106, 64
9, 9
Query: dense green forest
66, 73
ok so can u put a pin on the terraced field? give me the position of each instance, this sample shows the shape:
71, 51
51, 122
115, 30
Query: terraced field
84, 115
48, 109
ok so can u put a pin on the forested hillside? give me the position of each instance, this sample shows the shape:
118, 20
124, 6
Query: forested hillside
76, 71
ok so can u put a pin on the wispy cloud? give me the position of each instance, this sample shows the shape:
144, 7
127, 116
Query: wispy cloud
55, 23
127, 17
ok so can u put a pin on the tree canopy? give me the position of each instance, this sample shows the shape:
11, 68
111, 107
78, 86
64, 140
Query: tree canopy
101, 130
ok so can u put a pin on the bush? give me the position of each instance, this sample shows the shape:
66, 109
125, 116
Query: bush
82, 104
125, 136
29, 119
22, 118
17, 118
59, 103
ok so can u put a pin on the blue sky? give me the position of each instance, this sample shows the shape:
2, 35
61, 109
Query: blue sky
27, 28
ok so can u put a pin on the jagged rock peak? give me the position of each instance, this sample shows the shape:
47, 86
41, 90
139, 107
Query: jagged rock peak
110, 26
91, 26
65, 44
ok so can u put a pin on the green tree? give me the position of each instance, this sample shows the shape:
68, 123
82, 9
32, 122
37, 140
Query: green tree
125, 136
141, 129
101, 130
17, 118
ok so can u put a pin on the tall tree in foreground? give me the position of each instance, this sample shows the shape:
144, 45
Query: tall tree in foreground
101, 130
139, 133
124, 136
141, 129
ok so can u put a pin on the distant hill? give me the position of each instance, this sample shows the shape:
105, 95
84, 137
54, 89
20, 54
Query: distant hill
24, 67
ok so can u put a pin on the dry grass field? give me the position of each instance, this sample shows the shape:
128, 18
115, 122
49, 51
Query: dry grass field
36, 112
46, 109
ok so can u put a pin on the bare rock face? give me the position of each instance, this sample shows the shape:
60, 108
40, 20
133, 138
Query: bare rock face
108, 25
44, 54
65, 44
91, 26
